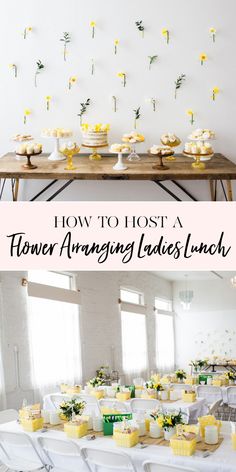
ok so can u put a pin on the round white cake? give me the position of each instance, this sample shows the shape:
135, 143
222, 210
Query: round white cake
94, 135
92, 138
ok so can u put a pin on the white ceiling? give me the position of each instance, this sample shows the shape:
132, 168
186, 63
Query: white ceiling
198, 275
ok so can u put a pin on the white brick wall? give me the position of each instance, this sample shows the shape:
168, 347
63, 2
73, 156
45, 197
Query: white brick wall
99, 317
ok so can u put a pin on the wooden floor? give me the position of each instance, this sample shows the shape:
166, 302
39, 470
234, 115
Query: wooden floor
219, 168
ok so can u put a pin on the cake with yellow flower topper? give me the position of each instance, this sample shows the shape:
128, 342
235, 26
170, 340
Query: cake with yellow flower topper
95, 135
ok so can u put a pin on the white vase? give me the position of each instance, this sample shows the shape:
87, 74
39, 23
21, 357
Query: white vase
155, 430
163, 395
169, 433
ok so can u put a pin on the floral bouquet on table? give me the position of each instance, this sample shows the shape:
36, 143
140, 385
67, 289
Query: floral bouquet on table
180, 374
151, 384
169, 421
198, 364
71, 408
96, 382
230, 376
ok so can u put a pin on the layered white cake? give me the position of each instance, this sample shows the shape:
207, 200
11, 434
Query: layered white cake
95, 135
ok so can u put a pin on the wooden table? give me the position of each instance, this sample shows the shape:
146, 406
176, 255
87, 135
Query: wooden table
218, 171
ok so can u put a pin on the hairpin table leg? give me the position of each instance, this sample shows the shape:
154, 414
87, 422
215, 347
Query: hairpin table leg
15, 189
229, 190
213, 189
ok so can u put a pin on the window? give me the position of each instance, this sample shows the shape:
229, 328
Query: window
133, 329
54, 331
54, 279
131, 296
165, 343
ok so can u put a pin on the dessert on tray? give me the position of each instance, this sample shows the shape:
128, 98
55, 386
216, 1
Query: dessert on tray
161, 150
133, 138
199, 147
22, 137
170, 139
95, 135
202, 134
29, 149
57, 133
120, 148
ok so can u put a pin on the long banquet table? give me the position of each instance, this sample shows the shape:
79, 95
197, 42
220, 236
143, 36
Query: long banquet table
191, 410
219, 173
222, 460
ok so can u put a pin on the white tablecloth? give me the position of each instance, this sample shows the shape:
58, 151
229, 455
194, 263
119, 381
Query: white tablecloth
191, 410
222, 460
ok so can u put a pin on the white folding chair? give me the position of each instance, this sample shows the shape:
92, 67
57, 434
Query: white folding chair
61, 454
8, 415
91, 404
143, 404
18, 452
107, 459
177, 386
55, 399
214, 407
115, 405
210, 393
149, 466
231, 399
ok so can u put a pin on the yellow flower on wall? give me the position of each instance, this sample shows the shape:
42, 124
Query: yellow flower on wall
27, 112
116, 43
92, 25
203, 58
190, 113
212, 32
27, 30
215, 92
122, 75
48, 99
165, 32
72, 80
14, 68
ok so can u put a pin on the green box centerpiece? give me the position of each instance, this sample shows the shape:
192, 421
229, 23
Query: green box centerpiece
109, 420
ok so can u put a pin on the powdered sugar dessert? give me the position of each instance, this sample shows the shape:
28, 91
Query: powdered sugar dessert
170, 139
161, 150
120, 148
133, 138
202, 134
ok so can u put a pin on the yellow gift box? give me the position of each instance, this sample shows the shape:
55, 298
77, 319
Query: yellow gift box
147, 423
73, 390
233, 438
208, 420
189, 397
182, 446
165, 380
64, 388
31, 410
98, 394
123, 396
75, 429
32, 424
109, 411
126, 439
190, 381
149, 395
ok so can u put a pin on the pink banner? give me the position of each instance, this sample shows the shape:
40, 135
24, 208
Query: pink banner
117, 236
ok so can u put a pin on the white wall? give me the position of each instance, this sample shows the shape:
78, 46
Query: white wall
209, 325
188, 21
99, 317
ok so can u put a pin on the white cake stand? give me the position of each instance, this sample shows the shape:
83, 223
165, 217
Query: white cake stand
203, 141
119, 164
56, 155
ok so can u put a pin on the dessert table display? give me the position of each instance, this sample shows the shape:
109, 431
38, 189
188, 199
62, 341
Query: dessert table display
219, 171
207, 458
